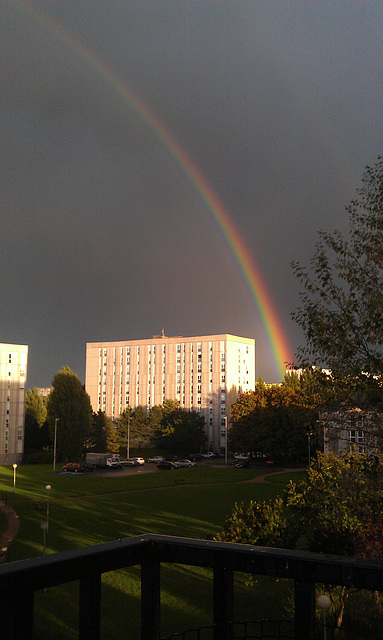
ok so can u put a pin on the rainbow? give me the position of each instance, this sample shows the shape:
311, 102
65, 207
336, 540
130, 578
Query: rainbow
279, 347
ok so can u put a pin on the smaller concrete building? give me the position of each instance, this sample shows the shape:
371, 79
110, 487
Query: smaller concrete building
351, 428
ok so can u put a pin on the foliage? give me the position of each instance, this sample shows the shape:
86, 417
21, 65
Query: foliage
338, 509
273, 420
341, 304
259, 523
69, 403
134, 425
103, 433
178, 430
36, 426
34, 405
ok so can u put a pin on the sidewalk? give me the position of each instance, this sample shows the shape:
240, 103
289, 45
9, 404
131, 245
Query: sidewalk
12, 530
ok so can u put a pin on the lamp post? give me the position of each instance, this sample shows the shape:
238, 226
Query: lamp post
128, 442
44, 527
54, 445
225, 439
48, 488
309, 434
14, 477
324, 603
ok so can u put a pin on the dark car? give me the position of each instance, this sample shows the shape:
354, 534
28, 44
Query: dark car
244, 464
86, 466
167, 464
72, 467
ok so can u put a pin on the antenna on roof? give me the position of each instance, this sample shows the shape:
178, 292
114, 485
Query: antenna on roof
163, 333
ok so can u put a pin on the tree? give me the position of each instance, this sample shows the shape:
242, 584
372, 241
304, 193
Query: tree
179, 430
273, 420
135, 426
34, 405
341, 304
69, 403
103, 433
36, 426
338, 509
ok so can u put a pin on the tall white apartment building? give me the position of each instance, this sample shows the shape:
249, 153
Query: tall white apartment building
204, 373
13, 376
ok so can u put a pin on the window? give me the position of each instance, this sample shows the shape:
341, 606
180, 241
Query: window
351, 435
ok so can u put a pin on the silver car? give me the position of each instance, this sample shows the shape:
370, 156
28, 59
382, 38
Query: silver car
185, 463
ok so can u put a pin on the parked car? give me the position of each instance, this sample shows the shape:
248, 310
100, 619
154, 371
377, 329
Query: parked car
72, 467
86, 466
208, 455
113, 463
244, 464
167, 465
241, 456
139, 460
155, 459
129, 462
185, 463
194, 456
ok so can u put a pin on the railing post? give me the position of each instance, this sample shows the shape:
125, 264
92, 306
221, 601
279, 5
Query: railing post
89, 607
16, 613
150, 599
223, 597
304, 593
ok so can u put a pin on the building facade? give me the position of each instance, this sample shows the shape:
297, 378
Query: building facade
204, 373
350, 428
13, 376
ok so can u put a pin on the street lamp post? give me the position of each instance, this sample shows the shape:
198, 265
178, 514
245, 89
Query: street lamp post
14, 477
128, 442
309, 434
324, 603
225, 439
54, 445
48, 488
44, 527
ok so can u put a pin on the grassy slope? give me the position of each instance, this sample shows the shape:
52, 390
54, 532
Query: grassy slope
86, 510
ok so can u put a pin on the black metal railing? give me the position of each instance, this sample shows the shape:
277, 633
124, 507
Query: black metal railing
20, 580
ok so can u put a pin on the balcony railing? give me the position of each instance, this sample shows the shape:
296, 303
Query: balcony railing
20, 580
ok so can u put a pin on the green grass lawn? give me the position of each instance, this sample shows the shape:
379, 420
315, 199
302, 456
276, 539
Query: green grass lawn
87, 510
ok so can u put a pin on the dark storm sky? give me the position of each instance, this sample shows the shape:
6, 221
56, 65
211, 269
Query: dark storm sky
103, 236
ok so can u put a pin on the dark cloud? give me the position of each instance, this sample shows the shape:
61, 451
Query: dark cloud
105, 236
